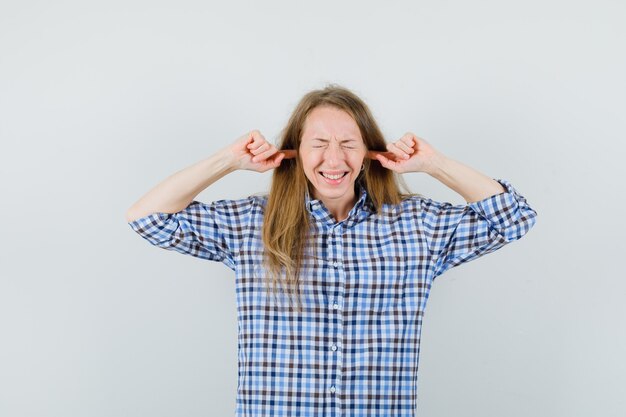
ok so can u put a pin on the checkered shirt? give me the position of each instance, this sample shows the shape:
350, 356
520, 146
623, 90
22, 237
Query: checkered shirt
354, 349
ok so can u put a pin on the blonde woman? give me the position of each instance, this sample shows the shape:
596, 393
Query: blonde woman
334, 266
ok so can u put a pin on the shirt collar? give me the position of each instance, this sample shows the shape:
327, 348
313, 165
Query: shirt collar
362, 207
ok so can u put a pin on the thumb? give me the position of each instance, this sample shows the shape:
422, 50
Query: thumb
278, 160
383, 161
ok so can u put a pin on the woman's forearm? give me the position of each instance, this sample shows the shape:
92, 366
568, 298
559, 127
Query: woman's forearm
179, 189
468, 182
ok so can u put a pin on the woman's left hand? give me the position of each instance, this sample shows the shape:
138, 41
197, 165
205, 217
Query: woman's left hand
410, 154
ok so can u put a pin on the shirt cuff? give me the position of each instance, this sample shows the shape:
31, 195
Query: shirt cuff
148, 226
500, 210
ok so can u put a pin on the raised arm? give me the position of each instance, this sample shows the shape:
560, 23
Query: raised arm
251, 151
470, 183
413, 154
495, 213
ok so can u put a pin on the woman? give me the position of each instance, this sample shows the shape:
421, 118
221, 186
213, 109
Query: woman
336, 235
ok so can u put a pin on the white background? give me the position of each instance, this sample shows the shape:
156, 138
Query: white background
100, 101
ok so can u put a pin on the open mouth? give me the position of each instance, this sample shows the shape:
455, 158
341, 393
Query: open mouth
334, 176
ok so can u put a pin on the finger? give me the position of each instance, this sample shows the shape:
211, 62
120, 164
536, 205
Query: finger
244, 141
278, 159
257, 138
289, 153
272, 162
373, 154
406, 147
256, 143
388, 154
408, 135
397, 151
385, 162
260, 149
392, 165
409, 140
265, 155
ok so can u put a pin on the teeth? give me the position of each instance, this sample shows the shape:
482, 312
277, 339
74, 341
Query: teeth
333, 177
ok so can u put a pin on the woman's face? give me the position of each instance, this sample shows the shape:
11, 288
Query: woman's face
332, 152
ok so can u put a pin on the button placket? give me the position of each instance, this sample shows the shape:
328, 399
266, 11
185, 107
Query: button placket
337, 274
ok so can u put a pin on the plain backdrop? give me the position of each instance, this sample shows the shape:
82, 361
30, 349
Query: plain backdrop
100, 101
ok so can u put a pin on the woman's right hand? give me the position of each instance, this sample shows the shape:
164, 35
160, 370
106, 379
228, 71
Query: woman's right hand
254, 153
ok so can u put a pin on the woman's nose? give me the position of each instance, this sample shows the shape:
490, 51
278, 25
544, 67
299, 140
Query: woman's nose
334, 153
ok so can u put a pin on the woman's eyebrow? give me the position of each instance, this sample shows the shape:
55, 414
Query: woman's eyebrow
342, 141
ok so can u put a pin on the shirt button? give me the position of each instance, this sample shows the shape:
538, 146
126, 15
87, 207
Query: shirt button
335, 306
332, 389
333, 348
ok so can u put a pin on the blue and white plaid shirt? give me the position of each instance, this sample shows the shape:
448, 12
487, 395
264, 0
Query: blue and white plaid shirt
354, 349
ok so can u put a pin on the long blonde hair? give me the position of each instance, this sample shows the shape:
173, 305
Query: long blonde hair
286, 219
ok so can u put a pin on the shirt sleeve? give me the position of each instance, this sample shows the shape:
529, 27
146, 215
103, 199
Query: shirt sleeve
460, 233
209, 231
